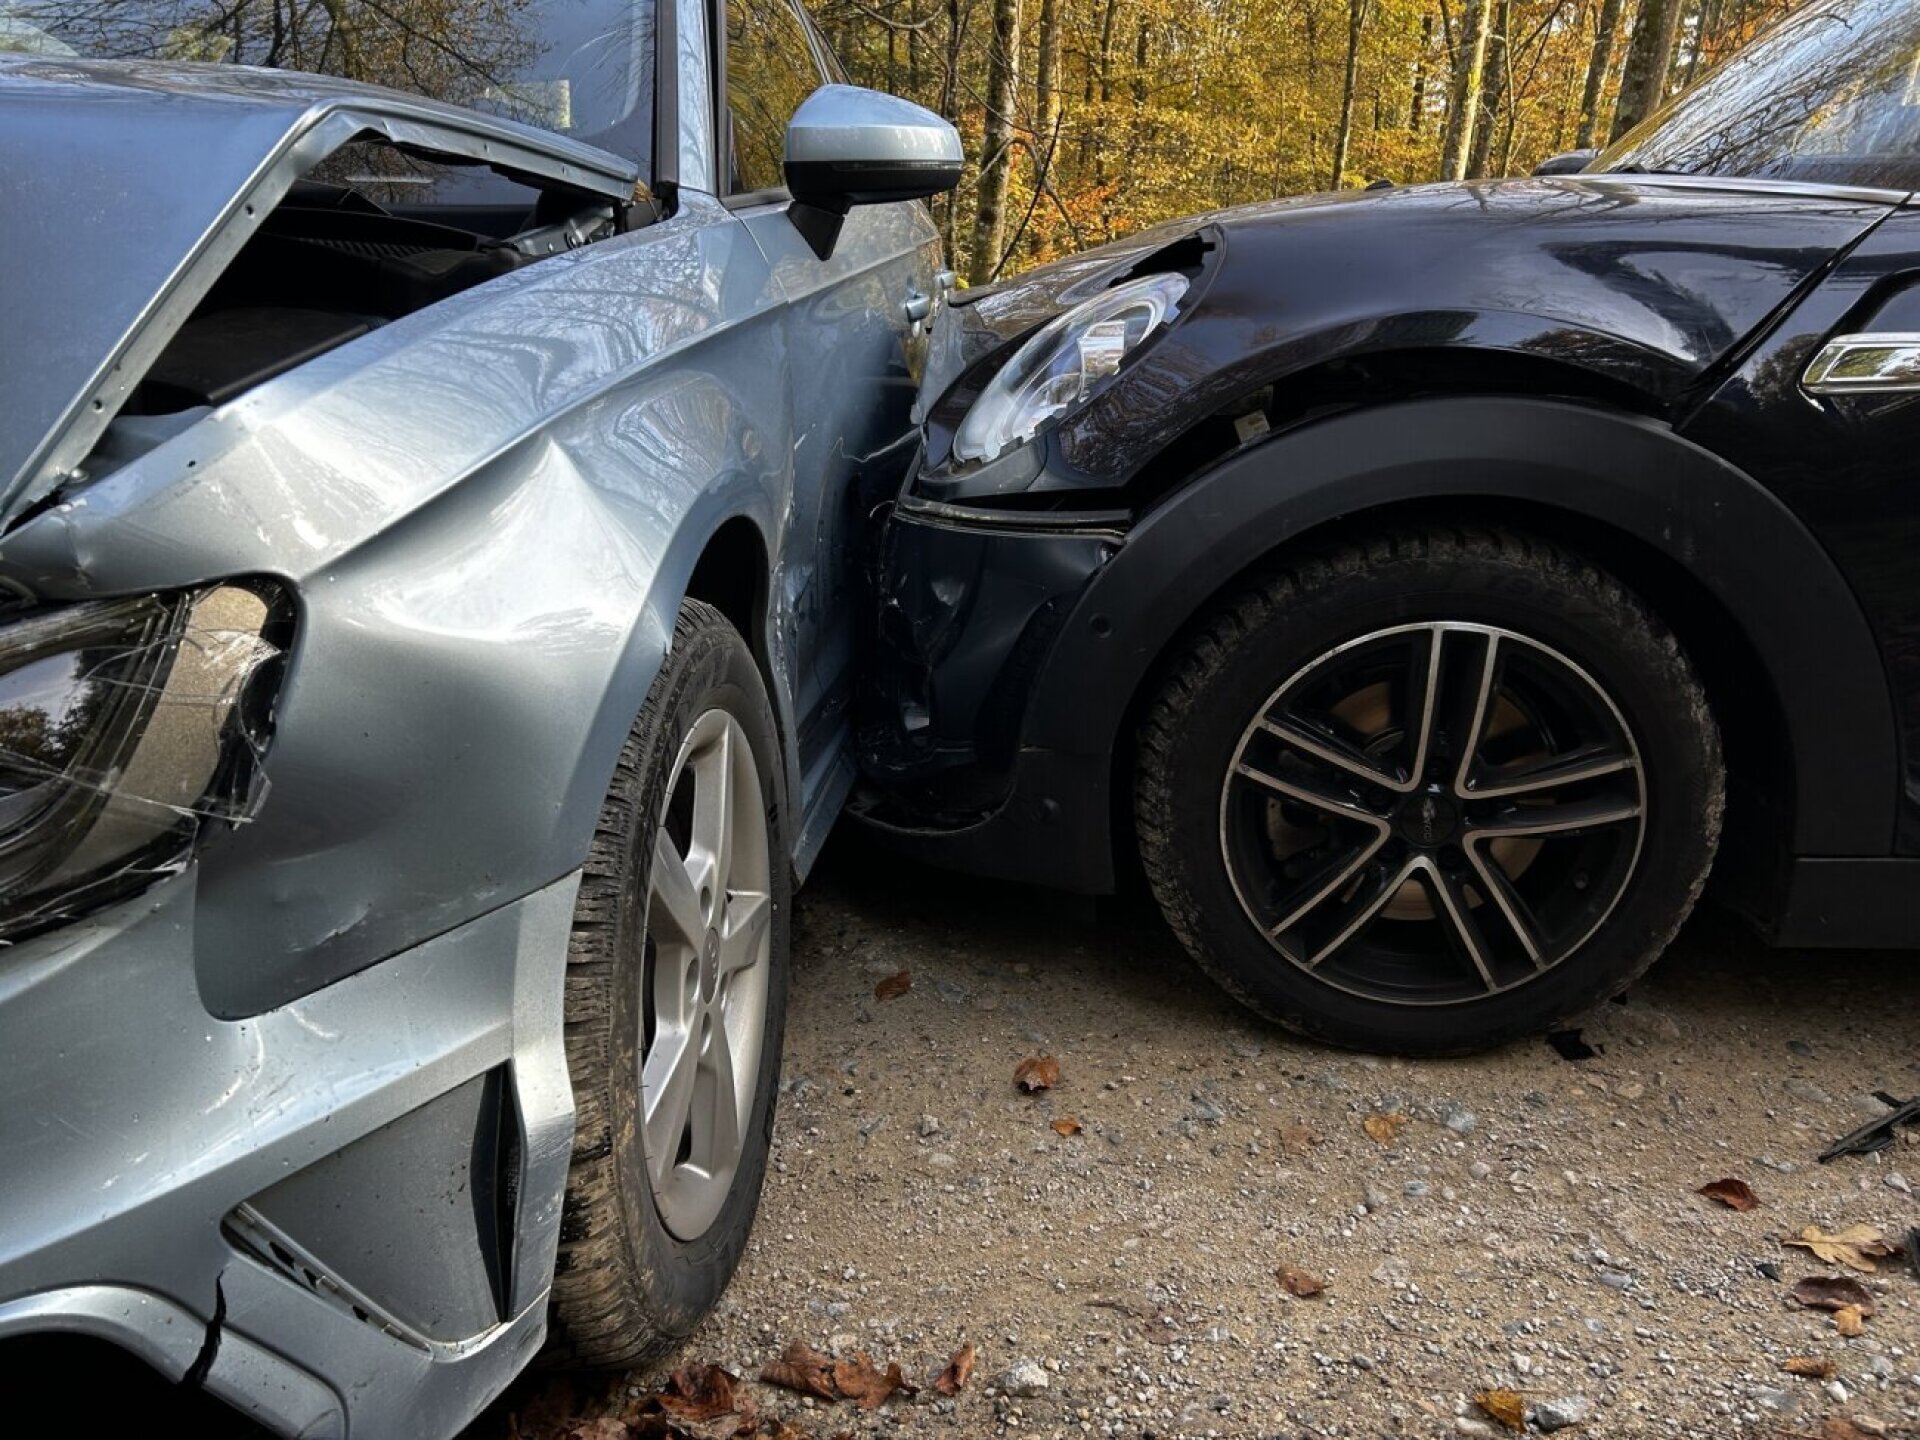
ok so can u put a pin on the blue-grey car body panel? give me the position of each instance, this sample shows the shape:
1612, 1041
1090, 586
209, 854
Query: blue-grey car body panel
485, 515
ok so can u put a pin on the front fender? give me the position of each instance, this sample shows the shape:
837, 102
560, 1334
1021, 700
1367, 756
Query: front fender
1749, 552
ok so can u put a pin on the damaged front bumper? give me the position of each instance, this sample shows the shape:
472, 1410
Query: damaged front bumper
222, 1198
972, 604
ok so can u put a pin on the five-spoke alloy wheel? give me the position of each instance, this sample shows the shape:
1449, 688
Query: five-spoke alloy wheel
1429, 793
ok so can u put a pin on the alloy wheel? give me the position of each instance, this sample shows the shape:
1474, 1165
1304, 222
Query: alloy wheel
1433, 813
709, 933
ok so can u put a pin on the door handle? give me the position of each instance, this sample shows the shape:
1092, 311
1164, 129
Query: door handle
1880, 362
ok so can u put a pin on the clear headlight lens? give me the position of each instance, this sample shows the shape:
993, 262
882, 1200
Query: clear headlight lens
1065, 363
125, 725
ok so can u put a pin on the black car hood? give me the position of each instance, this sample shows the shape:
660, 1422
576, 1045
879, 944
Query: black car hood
1651, 280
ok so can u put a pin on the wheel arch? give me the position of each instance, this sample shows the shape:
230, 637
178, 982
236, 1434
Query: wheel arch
1703, 543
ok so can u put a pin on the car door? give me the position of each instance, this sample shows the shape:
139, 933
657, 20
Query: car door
851, 343
1839, 451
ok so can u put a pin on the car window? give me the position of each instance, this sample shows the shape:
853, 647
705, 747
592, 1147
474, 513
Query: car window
1830, 95
771, 68
583, 68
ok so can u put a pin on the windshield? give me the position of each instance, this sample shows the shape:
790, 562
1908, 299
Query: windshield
583, 68
1830, 95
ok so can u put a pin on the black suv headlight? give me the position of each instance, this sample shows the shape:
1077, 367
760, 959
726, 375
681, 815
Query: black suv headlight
1064, 364
126, 726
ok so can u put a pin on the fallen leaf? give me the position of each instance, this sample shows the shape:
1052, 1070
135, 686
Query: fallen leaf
1299, 1283
1832, 1292
1067, 1125
1836, 1428
894, 986
1734, 1194
1035, 1075
1505, 1406
1850, 1321
1384, 1129
1298, 1139
953, 1379
802, 1368
603, 1427
860, 1381
1856, 1247
1809, 1368
701, 1392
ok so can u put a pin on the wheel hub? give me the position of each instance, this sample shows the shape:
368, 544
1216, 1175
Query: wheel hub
1428, 819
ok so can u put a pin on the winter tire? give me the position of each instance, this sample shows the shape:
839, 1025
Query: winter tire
675, 1007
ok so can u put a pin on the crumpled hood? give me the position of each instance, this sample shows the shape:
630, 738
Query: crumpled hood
1678, 269
128, 184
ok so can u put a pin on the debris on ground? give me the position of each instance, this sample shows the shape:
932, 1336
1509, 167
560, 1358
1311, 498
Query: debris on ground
1384, 1129
894, 986
1878, 1133
1831, 1292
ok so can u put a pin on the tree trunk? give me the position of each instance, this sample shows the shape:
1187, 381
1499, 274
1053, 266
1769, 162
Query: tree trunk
1498, 67
1643, 79
950, 108
1463, 106
1599, 61
1046, 80
1416, 113
1343, 137
996, 143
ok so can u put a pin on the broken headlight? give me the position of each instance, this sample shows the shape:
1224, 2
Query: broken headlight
1065, 363
126, 726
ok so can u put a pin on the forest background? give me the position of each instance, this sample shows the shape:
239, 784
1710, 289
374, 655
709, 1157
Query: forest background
1087, 119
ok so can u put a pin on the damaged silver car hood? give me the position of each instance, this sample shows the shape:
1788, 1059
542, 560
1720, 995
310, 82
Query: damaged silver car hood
129, 184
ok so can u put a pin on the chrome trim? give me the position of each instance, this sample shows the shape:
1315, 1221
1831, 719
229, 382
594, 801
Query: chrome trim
1879, 362
1869, 193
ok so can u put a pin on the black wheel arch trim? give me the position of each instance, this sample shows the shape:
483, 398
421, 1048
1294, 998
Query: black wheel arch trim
1628, 472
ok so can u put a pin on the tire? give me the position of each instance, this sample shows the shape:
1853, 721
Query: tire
646, 1245
1428, 793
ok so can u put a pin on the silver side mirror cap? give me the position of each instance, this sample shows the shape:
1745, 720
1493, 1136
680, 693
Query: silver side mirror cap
850, 146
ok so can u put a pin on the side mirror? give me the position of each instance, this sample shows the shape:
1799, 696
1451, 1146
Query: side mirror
849, 146
1569, 162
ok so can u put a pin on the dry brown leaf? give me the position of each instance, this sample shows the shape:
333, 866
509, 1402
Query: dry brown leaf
894, 986
1037, 1074
802, 1368
1809, 1368
1856, 1247
1832, 1292
953, 1379
1298, 1139
701, 1392
1299, 1283
1384, 1129
1067, 1125
1850, 1321
860, 1381
1509, 1408
1734, 1194
1834, 1427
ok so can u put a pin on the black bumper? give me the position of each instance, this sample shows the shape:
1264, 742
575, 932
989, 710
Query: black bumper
970, 610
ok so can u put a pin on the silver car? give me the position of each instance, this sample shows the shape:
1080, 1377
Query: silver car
426, 621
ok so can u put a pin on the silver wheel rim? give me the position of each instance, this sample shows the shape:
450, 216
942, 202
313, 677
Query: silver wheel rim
1423, 818
709, 941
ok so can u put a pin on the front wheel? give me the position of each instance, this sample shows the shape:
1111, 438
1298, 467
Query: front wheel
1430, 793
675, 1006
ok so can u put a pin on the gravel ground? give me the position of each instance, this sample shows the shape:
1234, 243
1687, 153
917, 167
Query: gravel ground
1532, 1227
